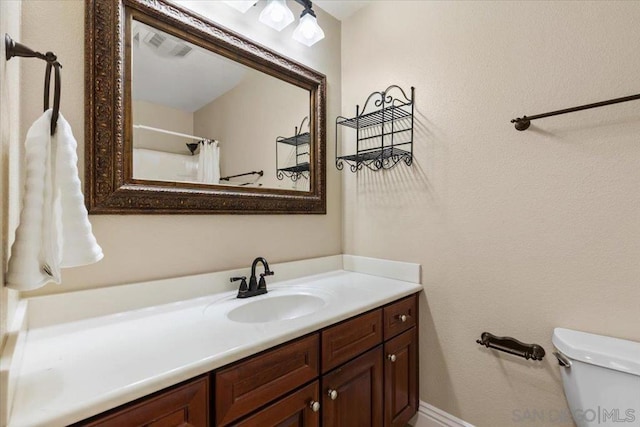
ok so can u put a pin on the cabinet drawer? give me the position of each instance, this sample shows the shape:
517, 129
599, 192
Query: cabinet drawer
250, 384
400, 316
290, 411
351, 338
184, 405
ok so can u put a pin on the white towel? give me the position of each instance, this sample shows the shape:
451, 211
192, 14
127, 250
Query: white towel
54, 229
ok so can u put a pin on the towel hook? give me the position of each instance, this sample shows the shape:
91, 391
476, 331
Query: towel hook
13, 48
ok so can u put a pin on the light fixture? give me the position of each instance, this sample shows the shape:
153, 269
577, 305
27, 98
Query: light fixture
308, 31
276, 15
241, 5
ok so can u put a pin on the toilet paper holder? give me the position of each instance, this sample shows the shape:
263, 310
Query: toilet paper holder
512, 346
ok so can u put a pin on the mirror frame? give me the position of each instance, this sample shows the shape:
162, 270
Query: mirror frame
109, 186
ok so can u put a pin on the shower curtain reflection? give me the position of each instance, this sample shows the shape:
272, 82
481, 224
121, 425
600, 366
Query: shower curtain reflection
209, 162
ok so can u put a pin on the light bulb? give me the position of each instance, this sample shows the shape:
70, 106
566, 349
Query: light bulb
308, 31
276, 14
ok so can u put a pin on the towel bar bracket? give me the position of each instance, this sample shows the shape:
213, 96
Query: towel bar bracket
15, 49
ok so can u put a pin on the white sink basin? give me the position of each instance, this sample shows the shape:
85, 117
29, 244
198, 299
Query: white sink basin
270, 308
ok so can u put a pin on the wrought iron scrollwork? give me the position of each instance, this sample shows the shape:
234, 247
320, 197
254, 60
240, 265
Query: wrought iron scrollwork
384, 136
292, 175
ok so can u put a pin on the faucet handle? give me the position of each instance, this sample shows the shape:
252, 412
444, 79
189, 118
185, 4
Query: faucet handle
262, 284
243, 285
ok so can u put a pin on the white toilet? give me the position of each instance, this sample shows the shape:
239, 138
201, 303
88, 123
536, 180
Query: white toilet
601, 377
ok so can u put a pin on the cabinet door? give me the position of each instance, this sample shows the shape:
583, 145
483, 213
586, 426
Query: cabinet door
186, 405
352, 394
299, 409
400, 379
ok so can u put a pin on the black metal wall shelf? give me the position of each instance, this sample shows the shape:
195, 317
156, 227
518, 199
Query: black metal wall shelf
301, 139
301, 168
381, 132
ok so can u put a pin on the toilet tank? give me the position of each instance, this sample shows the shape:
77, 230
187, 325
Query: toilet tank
602, 385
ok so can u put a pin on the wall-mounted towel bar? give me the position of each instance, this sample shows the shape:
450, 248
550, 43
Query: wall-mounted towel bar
13, 49
512, 346
523, 123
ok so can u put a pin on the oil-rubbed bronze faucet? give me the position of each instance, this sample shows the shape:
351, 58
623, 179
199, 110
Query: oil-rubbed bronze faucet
255, 287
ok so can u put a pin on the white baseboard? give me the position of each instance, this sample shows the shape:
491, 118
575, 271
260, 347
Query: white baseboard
430, 416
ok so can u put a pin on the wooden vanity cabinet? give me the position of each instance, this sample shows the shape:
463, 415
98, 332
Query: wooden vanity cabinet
299, 409
379, 388
400, 316
185, 405
400, 379
253, 382
343, 342
401, 361
362, 372
353, 393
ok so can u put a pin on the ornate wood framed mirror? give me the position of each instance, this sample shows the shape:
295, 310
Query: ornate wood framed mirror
185, 116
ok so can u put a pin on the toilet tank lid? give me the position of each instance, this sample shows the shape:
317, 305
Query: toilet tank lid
608, 352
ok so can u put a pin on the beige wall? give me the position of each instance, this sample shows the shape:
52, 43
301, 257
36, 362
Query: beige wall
247, 131
146, 247
517, 232
160, 116
10, 148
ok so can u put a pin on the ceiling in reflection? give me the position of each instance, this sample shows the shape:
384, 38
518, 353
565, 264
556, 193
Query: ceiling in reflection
184, 71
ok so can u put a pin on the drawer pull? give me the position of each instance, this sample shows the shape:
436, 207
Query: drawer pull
403, 318
315, 406
392, 357
333, 394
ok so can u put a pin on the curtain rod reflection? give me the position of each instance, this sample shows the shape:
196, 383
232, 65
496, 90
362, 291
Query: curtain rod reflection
169, 132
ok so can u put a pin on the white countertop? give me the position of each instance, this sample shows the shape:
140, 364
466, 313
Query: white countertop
71, 370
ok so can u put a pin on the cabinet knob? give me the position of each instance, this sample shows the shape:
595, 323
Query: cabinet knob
333, 394
392, 357
403, 318
315, 406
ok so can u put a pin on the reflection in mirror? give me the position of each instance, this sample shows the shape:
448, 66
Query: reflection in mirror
138, 76
200, 117
300, 140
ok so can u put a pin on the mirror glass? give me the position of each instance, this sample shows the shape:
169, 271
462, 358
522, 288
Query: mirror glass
199, 117
184, 116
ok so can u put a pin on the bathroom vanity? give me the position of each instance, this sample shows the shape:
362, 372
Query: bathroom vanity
335, 348
362, 371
